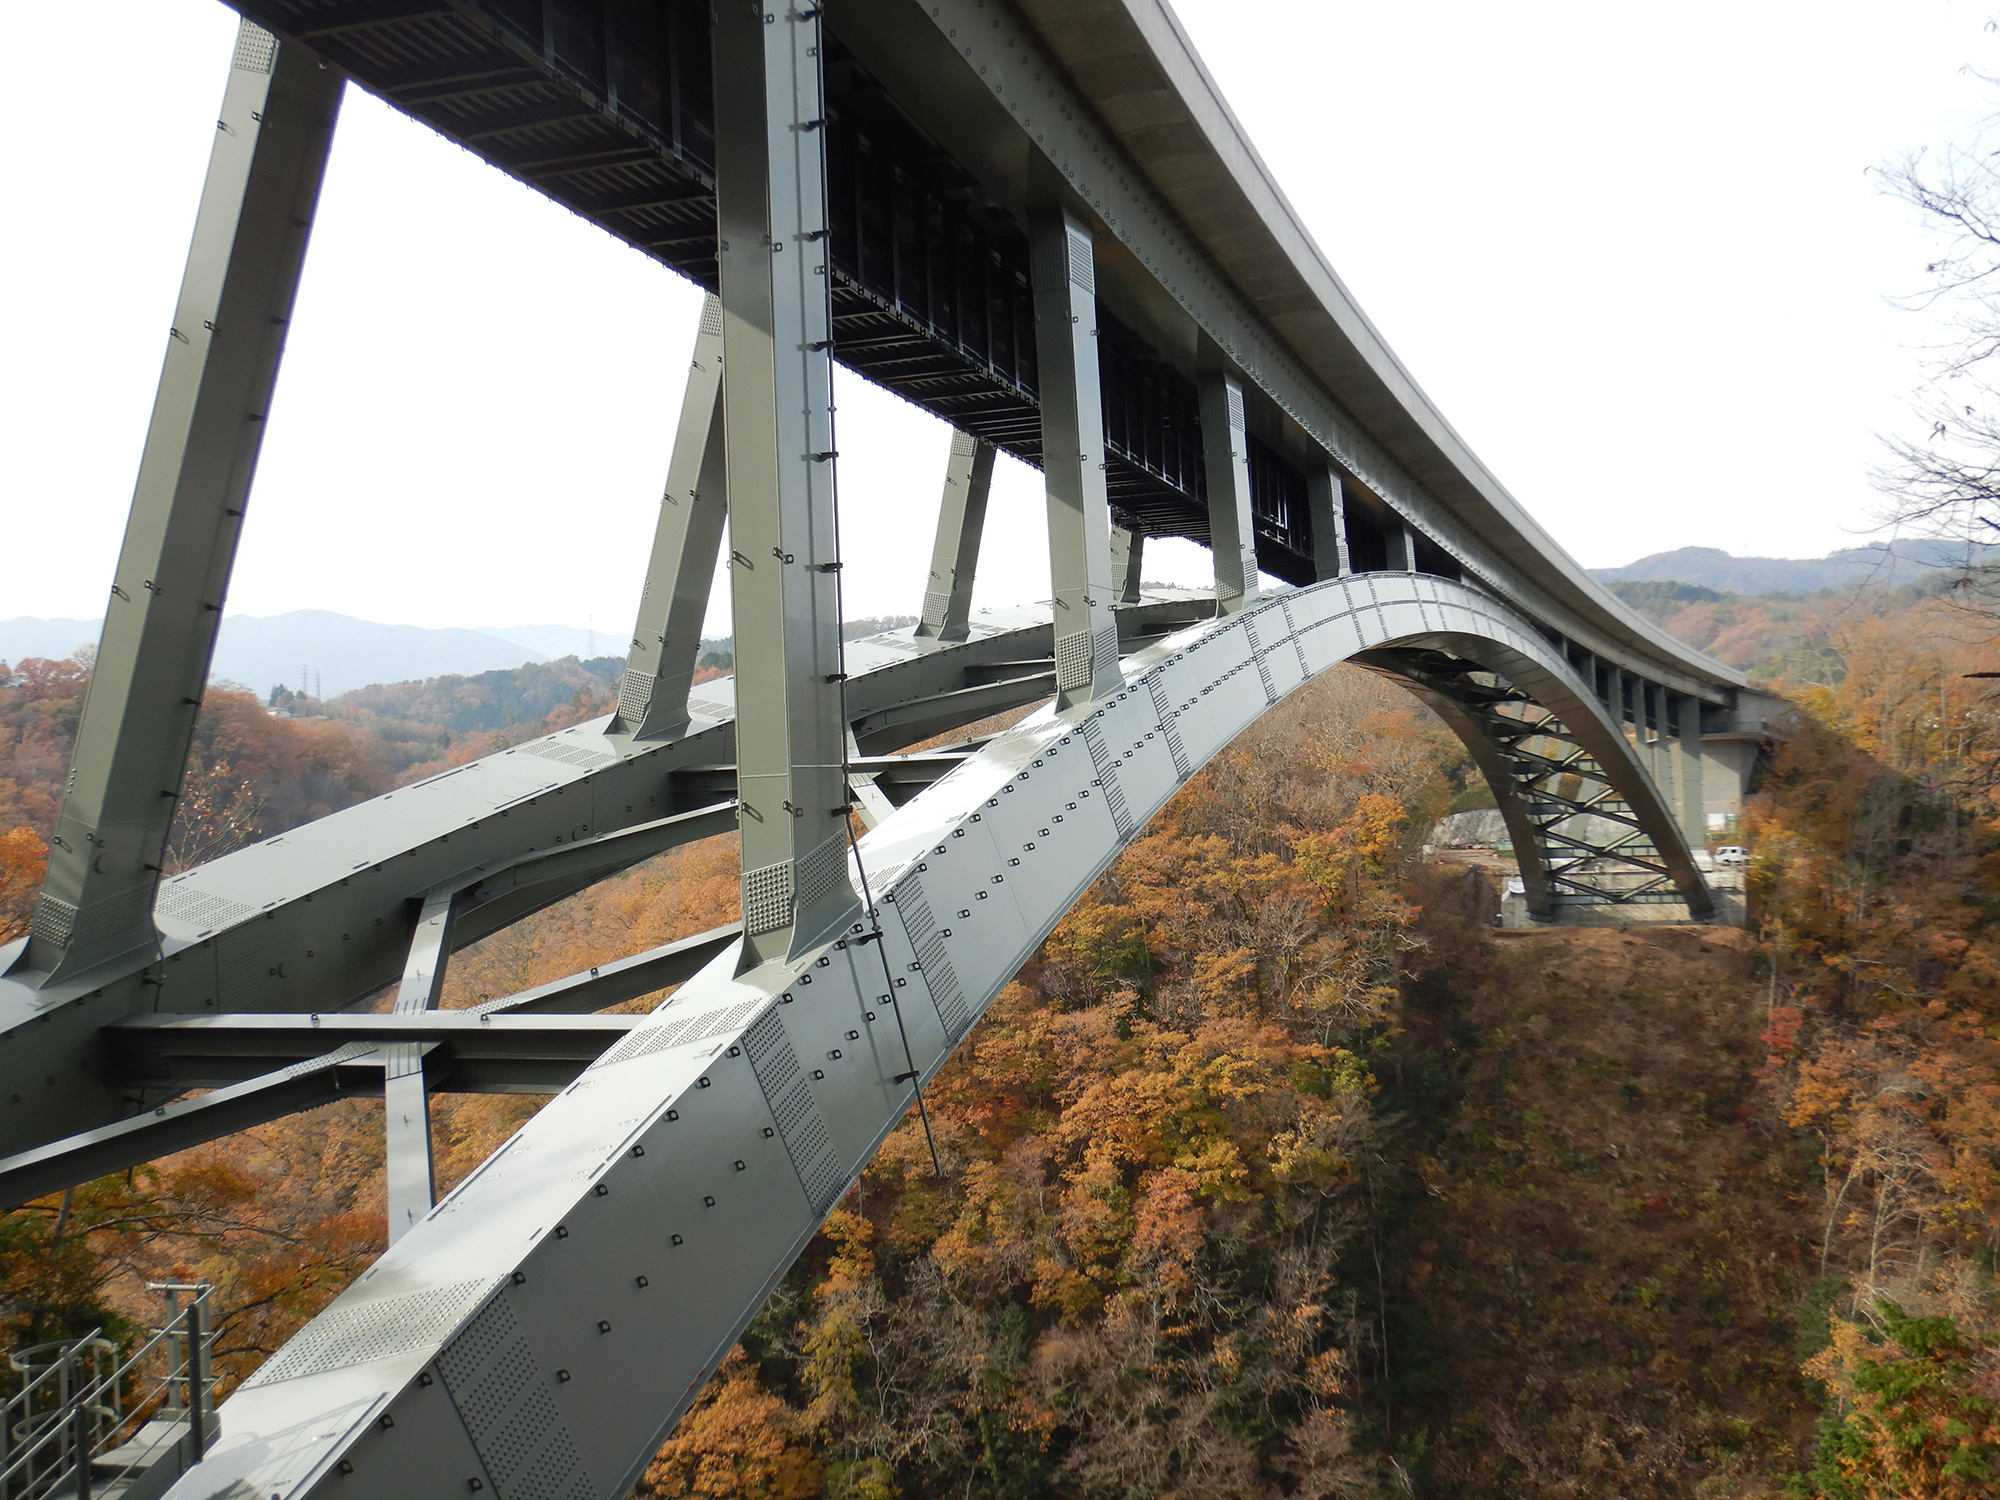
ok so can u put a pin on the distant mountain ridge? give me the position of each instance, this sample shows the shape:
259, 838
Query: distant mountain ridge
1896, 564
342, 653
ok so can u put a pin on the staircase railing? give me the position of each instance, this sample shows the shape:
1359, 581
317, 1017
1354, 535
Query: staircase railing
88, 1422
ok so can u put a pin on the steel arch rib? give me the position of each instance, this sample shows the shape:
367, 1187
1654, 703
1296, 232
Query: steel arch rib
1549, 682
543, 1329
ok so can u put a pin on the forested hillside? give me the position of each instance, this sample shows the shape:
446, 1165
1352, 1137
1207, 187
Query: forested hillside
1919, 562
1279, 1171
255, 772
1796, 639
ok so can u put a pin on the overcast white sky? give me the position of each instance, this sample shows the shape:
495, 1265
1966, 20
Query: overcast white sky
1630, 250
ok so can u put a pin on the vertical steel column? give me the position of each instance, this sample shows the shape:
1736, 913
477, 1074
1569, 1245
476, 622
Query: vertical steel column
1670, 756
197, 1368
83, 1443
1653, 723
1692, 791
1328, 509
1128, 557
778, 433
1642, 715
201, 448
968, 478
1232, 534
1402, 543
406, 1104
652, 698
1065, 285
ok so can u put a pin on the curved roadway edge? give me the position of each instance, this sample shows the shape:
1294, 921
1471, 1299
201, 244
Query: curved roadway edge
1132, 67
542, 1330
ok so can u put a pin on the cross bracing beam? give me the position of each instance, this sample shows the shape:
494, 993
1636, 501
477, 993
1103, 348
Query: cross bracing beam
607, 1258
900, 777
352, 1072
621, 979
465, 1051
1628, 829
1575, 892
262, 1068
937, 713
1600, 807
321, 917
510, 1060
406, 1097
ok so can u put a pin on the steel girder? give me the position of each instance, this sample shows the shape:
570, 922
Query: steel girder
610, 109
764, 1085
934, 110
223, 349
544, 1326
322, 917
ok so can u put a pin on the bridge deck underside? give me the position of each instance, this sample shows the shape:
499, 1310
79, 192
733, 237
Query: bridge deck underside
608, 109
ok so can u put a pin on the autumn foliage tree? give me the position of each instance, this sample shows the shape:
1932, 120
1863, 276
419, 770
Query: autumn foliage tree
282, 1218
1878, 885
1129, 1279
1918, 1417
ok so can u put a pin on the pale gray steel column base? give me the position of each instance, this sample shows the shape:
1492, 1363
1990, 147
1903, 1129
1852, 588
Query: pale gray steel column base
694, 506
1232, 535
1128, 554
961, 525
570, 1298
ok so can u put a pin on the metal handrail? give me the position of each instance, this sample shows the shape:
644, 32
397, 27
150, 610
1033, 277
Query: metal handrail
64, 1419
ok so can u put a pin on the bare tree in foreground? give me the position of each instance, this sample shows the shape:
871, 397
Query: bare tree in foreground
1946, 484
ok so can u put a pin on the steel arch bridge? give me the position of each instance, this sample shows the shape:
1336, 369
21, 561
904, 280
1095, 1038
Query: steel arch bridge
1034, 218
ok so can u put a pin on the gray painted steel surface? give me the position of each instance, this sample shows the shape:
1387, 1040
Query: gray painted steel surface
1232, 533
538, 1331
1064, 272
694, 509
271, 144
968, 481
542, 1329
777, 381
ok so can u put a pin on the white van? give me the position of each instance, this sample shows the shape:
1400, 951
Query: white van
1729, 855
